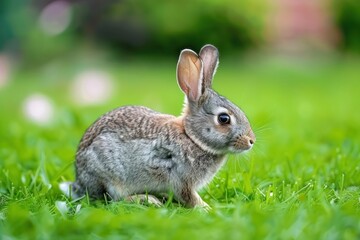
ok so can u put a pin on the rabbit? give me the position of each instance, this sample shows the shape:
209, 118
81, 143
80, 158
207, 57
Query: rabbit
135, 151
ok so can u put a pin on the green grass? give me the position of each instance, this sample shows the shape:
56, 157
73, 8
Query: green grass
301, 180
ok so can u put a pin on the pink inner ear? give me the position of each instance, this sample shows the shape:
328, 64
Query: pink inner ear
189, 73
195, 78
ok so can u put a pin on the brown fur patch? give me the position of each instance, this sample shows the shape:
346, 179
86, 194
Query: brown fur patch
178, 123
222, 129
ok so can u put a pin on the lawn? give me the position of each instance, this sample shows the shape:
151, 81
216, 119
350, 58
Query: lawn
300, 181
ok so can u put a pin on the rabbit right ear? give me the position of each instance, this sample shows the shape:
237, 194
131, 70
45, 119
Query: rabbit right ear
190, 74
210, 57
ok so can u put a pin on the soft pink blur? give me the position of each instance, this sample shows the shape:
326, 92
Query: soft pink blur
91, 87
301, 25
55, 17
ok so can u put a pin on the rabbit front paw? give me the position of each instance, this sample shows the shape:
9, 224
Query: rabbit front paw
144, 199
192, 199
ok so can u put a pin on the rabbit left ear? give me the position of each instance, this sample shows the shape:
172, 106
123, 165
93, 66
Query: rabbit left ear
190, 74
210, 57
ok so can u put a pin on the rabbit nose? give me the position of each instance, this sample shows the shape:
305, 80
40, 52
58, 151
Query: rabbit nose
249, 141
251, 138
245, 142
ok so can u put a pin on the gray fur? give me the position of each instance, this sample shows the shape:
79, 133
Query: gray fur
134, 150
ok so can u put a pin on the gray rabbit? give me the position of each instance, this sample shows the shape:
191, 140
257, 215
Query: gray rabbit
135, 151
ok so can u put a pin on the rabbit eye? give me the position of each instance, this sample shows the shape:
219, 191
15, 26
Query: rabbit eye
224, 118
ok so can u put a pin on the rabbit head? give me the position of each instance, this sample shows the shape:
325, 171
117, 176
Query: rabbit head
213, 122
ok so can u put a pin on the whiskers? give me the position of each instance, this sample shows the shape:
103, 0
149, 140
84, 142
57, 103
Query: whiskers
262, 138
262, 130
240, 162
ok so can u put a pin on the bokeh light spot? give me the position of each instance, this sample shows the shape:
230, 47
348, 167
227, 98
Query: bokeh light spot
92, 87
55, 17
38, 108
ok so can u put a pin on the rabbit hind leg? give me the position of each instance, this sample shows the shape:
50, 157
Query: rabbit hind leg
87, 184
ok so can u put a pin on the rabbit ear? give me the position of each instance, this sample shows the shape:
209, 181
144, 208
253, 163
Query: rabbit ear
210, 57
190, 74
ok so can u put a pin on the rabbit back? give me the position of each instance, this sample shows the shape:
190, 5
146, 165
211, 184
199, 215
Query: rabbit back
116, 152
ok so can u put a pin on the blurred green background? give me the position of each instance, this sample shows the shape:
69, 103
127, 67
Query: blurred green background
293, 66
38, 31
